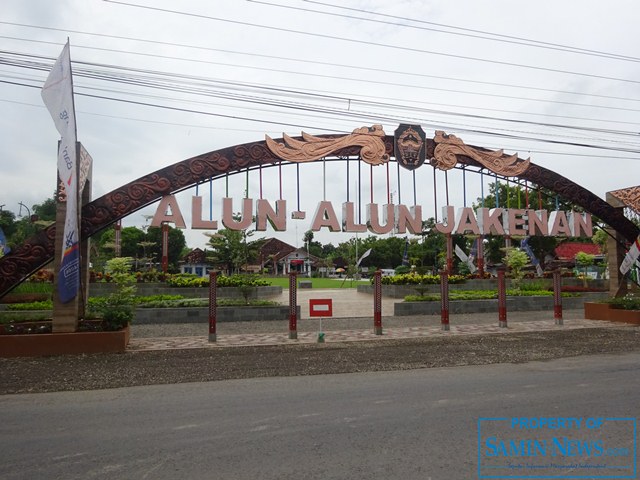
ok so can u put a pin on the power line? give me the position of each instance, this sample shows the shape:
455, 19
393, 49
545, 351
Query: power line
477, 35
133, 80
290, 59
529, 42
368, 81
370, 43
394, 119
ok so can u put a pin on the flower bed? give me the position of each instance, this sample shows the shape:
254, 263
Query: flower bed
625, 309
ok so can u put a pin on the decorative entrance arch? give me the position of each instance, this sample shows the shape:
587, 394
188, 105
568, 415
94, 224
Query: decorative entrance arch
369, 144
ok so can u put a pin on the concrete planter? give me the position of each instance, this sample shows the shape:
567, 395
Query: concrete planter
604, 311
401, 291
625, 316
47, 344
201, 314
596, 311
148, 289
514, 304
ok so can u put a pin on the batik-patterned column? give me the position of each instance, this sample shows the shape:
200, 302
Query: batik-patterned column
165, 247
293, 306
502, 299
557, 297
377, 302
213, 305
444, 300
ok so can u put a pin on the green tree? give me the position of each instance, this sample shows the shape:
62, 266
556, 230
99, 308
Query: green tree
516, 260
177, 243
231, 251
118, 309
46, 211
584, 260
505, 195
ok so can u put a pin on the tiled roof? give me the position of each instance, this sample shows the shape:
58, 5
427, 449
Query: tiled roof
568, 250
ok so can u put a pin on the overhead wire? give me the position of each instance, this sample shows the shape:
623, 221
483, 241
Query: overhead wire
297, 60
370, 43
508, 38
156, 76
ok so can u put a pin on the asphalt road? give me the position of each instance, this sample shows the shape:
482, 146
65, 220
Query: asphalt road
415, 424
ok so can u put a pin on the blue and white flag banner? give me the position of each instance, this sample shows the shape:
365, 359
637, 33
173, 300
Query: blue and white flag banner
534, 260
57, 94
4, 249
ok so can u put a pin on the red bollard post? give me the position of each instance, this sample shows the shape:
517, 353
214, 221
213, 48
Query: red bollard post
165, 247
450, 254
293, 306
444, 300
557, 297
377, 302
213, 304
502, 300
480, 256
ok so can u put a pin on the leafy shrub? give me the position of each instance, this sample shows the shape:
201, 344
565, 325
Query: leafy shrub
628, 302
204, 302
44, 305
117, 308
417, 279
480, 295
187, 280
242, 280
34, 287
530, 286
192, 280
9, 317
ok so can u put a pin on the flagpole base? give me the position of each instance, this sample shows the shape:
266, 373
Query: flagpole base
502, 324
213, 337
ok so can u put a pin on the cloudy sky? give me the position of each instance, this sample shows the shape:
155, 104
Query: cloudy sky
157, 82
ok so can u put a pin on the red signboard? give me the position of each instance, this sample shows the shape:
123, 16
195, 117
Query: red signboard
320, 307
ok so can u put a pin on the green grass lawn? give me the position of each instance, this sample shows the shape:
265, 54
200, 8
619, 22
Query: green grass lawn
317, 282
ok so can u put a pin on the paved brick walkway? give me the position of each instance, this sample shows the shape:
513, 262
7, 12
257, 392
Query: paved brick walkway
254, 339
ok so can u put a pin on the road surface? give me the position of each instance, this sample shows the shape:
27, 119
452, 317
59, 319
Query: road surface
415, 424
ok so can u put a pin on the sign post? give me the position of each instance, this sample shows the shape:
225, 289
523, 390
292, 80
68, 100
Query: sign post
320, 307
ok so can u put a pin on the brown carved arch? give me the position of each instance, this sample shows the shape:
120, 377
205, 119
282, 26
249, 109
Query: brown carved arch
38, 250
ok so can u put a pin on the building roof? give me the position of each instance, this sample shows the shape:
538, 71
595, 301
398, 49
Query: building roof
275, 247
568, 250
195, 256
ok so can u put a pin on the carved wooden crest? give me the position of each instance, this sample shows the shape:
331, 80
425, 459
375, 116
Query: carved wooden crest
448, 147
311, 148
410, 146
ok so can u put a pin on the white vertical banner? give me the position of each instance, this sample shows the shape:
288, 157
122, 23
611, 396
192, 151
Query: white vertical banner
466, 259
631, 257
57, 94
